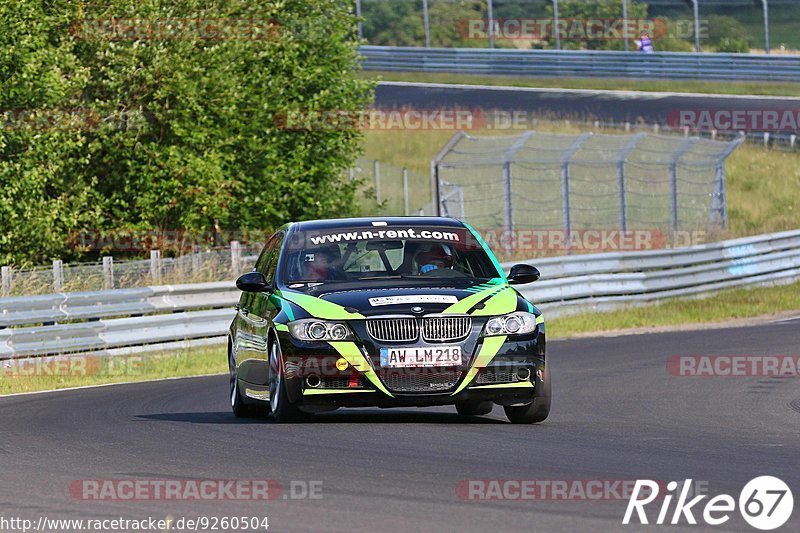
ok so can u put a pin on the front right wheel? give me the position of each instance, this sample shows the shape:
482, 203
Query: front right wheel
282, 409
539, 409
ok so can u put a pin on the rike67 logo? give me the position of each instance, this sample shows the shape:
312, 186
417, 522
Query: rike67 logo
765, 503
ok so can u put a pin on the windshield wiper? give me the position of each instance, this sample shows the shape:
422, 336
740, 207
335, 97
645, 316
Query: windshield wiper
392, 276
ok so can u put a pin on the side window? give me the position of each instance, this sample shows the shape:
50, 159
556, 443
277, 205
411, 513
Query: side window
270, 265
265, 253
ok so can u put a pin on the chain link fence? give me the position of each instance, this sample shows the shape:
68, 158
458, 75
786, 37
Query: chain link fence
194, 267
546, 181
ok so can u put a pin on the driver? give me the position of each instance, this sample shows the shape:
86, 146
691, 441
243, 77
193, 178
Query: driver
438, 256
317, 264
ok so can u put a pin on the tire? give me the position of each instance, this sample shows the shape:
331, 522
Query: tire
474, 408
539, 409
239, 405
283, 410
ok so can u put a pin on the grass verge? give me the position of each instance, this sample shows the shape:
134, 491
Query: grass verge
722, 306
81, 371
761, 88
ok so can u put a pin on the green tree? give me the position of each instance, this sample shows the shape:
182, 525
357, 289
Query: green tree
189, 134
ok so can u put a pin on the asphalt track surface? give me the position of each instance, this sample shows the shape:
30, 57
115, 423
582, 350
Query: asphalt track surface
618, 415
605, 106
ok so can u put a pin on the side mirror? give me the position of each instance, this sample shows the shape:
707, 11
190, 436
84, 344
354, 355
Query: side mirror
522, 274
252, 282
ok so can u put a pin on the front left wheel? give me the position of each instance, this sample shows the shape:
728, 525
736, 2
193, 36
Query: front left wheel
539, 409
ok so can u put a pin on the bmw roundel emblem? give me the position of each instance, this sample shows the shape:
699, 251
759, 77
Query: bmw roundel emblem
416, 309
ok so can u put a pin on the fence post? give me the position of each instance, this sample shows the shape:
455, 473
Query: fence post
623, 157
376, 165
360, 25
405, 191
426, 23
236, 257
108, 272
155, 266
195, 260
566, 212
5, 274
673, 180
509, 206
719, 203
490, 14
436, 204
58, 275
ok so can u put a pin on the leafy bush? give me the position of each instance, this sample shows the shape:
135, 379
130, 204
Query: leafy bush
733, 45
175, 132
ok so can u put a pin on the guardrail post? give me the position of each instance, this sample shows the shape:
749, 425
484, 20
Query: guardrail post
6, 276
108, 273
155, 266
58, 275
792, 140
405, 191
236, 257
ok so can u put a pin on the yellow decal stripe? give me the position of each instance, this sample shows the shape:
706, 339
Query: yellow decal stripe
489, 348
319, 308
501, 303
462, 306
348, 350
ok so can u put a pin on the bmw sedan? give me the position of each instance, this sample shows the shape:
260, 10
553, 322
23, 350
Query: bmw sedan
386, 312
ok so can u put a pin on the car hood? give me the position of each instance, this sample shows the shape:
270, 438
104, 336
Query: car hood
332, 303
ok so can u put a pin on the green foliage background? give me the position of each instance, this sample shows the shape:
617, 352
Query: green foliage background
180, 133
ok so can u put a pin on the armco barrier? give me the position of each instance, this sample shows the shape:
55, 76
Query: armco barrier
551, 63
84, 322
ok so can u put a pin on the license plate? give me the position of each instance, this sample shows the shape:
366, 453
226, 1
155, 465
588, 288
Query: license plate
420, 357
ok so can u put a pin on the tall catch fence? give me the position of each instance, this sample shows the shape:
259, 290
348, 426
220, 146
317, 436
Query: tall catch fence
545, 181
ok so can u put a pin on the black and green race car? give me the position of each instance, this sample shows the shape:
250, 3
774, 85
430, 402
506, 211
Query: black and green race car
387, 312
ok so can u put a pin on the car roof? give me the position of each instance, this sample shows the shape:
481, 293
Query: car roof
335, 223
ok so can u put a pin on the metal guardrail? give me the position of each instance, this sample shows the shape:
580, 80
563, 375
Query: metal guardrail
608, 64
569, 284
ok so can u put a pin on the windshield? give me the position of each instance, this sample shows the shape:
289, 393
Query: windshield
386, 252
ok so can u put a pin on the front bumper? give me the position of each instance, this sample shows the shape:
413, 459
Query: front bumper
316, 376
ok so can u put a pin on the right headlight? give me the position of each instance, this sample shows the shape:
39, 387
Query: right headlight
519, 323
313, 329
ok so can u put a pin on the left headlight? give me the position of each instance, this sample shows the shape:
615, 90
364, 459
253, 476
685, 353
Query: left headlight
519, 323
312, 329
